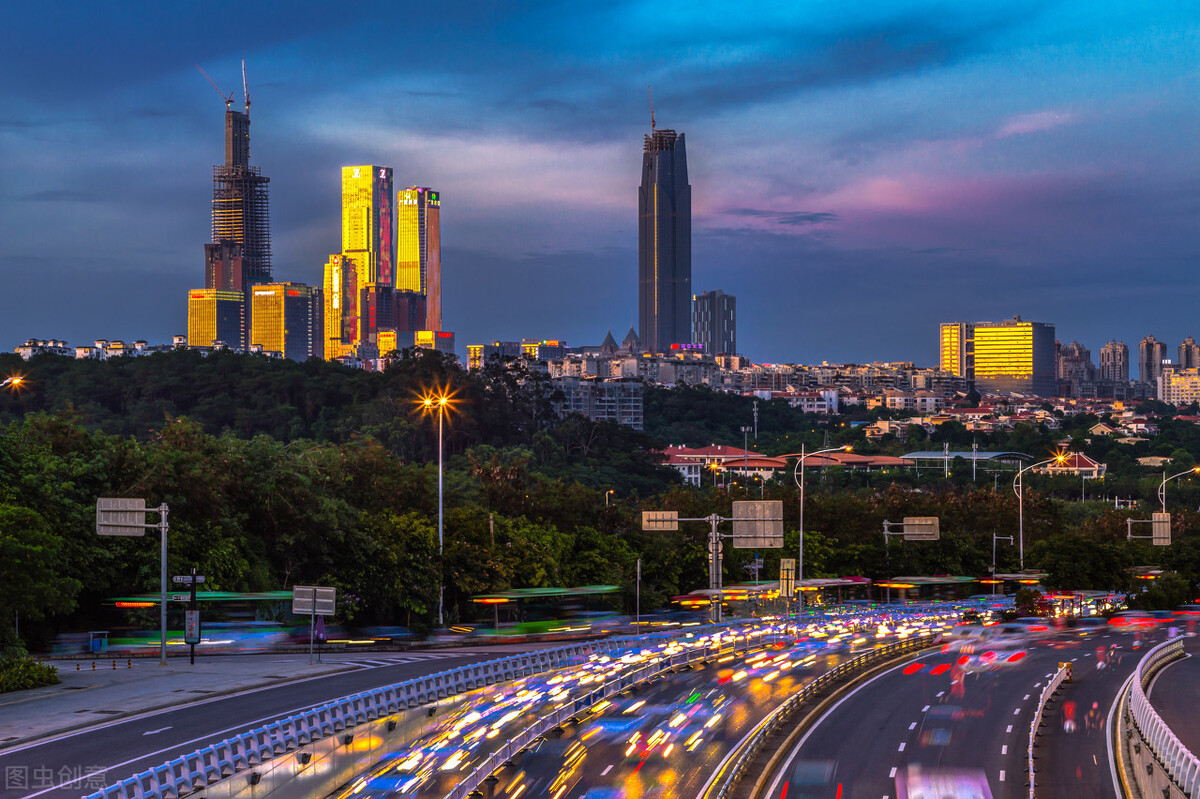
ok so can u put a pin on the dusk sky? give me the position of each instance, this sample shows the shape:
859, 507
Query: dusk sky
860, 171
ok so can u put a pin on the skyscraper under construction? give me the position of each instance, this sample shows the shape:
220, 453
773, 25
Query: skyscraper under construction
240, 211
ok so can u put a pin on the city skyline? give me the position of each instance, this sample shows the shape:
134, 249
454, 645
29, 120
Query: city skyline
874, 173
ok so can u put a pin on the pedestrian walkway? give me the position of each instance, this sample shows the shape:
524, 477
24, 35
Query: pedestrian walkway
119, 687
95, 691
1175, 694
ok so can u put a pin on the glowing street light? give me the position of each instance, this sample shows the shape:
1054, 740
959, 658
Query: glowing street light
800, 484
14, 381
430, 403
1162, 487
1019, 490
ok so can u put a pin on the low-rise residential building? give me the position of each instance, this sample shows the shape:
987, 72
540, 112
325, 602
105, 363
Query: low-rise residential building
618, 400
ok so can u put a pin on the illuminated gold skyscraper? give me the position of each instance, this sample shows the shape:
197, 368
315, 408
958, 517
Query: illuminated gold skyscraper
341, 307
368, 223
216, 316
957, 349
1013, 356
419, 248
281, 319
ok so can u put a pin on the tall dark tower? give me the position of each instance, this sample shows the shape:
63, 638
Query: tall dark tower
240, 211
664, 243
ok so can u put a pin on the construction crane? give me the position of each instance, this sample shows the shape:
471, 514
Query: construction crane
245, 87
228, 100
651, 96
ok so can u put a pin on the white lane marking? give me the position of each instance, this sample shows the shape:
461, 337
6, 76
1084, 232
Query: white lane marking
1009, 728
1004, 749
153, 732
1001, 775
1074, 659
1017, 711
912, 726
1026, 699
1095, 762
901, 749
1037, 685
925, 709
941, 694
1048, 676
1108, 737
892, 773
771, 791
606, 770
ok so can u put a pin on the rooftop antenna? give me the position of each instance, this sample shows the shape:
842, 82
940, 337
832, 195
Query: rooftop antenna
651, 96
245, 87
228, 99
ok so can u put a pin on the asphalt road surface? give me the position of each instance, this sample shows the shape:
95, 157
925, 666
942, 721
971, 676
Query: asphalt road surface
930, 723
121, 748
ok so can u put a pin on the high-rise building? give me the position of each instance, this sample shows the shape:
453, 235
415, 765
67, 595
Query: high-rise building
240, 211
419, 248
224, 267
1114, 362
281, 319
1013, 356
1189, 354
216, 316
1179, 386
368, 220
440, 340
1151, 354
1075, 363
957, 349
714, 322
664, 243
340, 307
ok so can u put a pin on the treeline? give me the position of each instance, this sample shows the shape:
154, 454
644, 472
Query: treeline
279, 473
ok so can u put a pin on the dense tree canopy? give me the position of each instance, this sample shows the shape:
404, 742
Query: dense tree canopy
279, 473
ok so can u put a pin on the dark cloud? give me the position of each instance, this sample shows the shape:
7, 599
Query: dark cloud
795, 218
61, 196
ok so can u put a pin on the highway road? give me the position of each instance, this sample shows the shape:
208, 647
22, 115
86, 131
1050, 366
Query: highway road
710, 712
927, 720
51, 767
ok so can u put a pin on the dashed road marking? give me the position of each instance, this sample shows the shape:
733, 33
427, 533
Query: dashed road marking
925, 709
1016, 711
1009, 728
1004, 749
912, 726
892, 773
1002, 775
901, 749
606, 770
1026, 699
941, 694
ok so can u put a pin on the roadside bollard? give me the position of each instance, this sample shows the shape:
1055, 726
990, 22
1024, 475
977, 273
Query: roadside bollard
114, 665
76, 667
130, 662
93, 665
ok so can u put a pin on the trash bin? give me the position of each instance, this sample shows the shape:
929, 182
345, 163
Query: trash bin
98, 641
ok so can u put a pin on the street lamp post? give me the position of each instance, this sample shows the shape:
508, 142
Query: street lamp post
1162, 487
429, 403
1019, 490
800, 484
14, 381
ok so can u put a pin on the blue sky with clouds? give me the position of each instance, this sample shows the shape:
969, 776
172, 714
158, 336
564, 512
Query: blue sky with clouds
860, 172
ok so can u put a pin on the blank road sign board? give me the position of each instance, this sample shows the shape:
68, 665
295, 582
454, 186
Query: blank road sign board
660, 520
1160, 529
120, 516
758, 524
921, 528
310, 599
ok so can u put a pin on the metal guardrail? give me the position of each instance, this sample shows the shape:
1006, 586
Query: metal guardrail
212, 764
1047, 693
561, 715
1176, 760
740, 761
